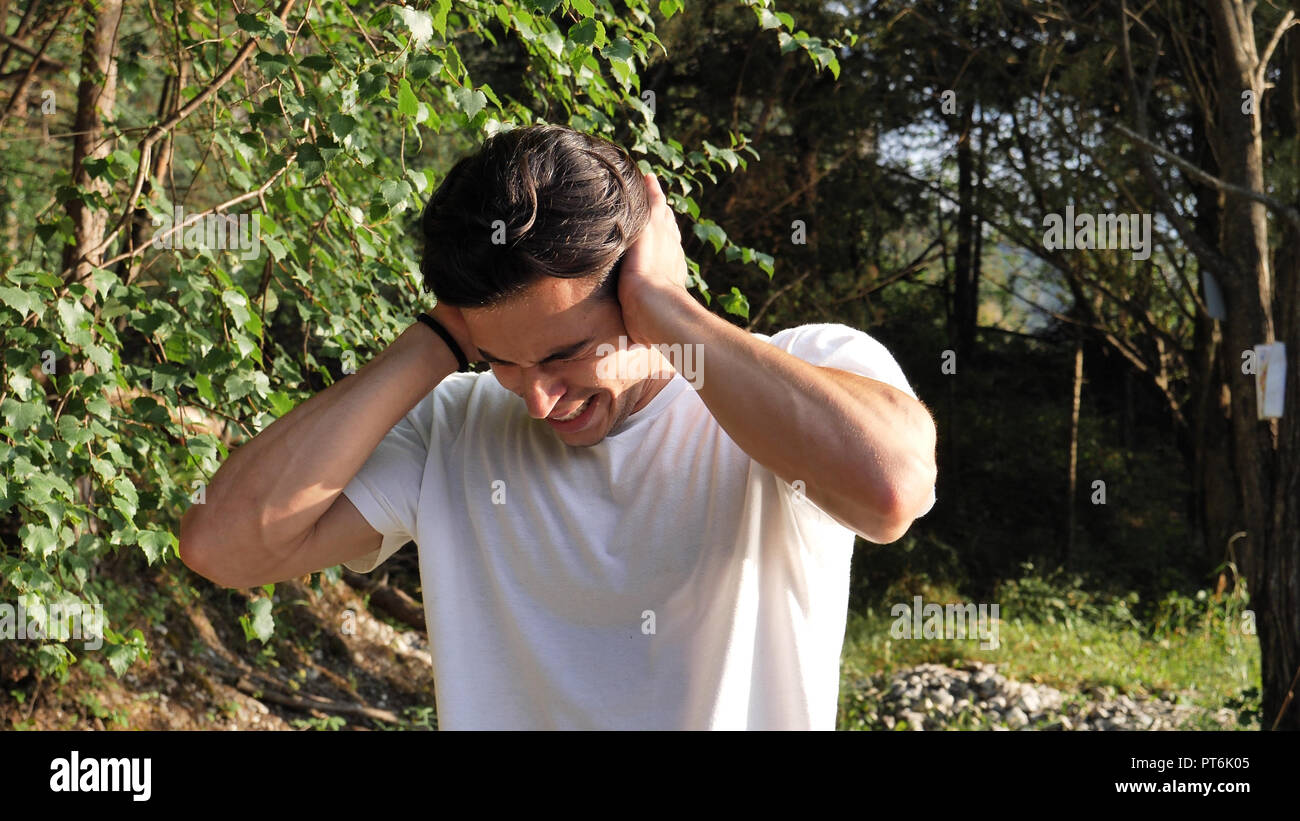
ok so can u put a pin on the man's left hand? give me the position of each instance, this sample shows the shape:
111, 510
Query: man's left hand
654, 273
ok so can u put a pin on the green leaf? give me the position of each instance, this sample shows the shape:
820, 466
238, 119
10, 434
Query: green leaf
311, 162
124, 497
469, 101
407, 105
342, 125
419, 23
251, 24
204, 386
21, 301
553, 41
735, 303
257, 622
280, 403
395, 192
155, 543
372, 83
22, 415
316, 62
273, 65
419, 179
238, 305
440, 17
38, 539
588, 32
120, 657
618, 49
423, 67
710, 232
100, 407
100, 356
242, 383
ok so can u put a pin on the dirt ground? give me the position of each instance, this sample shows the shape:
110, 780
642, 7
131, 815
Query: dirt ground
335, 661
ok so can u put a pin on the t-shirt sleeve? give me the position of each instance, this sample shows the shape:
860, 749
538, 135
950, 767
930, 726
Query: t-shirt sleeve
848, 349
386, 490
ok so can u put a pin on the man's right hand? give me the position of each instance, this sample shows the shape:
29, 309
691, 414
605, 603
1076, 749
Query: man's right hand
453, 320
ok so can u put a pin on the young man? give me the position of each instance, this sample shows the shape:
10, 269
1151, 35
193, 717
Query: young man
603, 544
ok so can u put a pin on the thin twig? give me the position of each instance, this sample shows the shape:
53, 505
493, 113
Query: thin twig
1281, 208
21, 91
160, 130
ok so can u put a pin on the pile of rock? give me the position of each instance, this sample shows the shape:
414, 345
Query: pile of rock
976, 696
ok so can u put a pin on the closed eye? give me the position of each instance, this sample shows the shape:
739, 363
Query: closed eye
559, 357
570, 354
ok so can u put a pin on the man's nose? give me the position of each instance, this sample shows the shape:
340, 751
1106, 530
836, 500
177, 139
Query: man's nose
540, 392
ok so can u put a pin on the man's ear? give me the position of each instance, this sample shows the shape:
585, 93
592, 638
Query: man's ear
608, 290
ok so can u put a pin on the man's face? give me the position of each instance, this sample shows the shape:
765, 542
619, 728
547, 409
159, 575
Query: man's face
543, 346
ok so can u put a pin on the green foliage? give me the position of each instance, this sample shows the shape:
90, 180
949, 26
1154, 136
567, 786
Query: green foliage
125, 385
1056, 629
323, 723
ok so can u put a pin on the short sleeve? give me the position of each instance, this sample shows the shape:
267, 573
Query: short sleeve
387, 488
848, 349
386, 491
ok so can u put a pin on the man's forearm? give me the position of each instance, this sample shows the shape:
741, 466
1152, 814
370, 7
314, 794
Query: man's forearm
268, 495
863, 449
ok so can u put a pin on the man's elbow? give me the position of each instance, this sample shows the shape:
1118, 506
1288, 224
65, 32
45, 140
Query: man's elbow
197, 555
890, 529
908, 503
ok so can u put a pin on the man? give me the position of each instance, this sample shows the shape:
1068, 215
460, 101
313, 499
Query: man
620, 549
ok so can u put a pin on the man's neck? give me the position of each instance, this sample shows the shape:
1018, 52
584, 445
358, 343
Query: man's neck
653, 387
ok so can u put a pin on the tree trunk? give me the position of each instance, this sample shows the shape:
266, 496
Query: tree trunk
966, 305
1073, 472
96, 98
1265, 452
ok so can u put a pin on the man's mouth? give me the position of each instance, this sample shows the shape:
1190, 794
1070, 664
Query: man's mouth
576, 411
576, 420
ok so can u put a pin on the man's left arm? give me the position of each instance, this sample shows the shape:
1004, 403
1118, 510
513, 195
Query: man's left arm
864, 450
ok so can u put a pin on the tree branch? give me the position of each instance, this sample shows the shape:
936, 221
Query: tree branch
1287, 22
1280, 208
160, 130
36, 61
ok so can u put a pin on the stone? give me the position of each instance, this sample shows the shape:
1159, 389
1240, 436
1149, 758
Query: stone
1029, 701
1016, 718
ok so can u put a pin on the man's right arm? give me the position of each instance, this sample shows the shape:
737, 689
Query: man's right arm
275, 509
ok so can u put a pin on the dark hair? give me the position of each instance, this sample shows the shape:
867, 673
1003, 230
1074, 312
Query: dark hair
543, 200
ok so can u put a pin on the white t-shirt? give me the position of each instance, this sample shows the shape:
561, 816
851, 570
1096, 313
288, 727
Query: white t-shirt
660, 579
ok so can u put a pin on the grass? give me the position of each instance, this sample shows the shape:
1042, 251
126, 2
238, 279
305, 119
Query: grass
1196, 649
